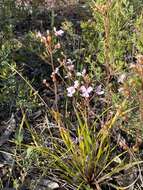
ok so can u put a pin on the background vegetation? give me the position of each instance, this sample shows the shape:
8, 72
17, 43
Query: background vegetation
71, 94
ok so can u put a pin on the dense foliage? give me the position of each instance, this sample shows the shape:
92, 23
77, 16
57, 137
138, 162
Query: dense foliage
71, 82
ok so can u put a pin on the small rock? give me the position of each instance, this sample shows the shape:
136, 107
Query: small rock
53, 185
46, 184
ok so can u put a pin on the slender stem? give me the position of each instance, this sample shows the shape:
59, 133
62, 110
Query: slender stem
55, 83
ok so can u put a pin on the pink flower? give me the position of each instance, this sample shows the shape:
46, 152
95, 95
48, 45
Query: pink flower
70, 67
70, 91
58, 32
132, 65
99, 90
76, 84
86, 91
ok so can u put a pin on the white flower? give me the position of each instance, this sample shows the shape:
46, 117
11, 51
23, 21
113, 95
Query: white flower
122, 78
47, 32
56, 70
121, 90
99, 90
38, 34
70, 91
86, 91
58, 32
69, 61
70, 65
44, 81
76, 84
83, 72
69, 75
79, 74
